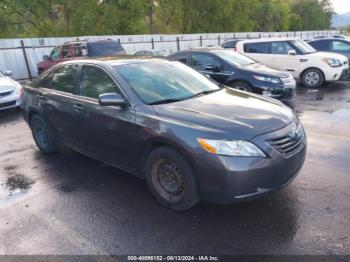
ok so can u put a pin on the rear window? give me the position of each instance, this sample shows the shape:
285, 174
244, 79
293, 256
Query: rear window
260, 48
103, 48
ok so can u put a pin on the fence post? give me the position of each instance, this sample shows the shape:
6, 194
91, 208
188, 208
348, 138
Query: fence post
200, 41
26, 60
178, 43
259, 35
219, 40
152, 42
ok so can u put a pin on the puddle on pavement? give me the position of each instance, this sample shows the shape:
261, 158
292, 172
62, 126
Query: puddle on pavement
16, 186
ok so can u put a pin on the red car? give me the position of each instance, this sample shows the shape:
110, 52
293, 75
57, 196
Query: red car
72, 50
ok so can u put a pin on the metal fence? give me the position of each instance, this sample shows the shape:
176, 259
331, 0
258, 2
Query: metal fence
22, 55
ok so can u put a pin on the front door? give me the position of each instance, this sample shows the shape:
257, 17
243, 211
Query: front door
209, 65
109, 128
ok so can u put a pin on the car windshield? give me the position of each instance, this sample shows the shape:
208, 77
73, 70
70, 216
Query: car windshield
235, 58
303, 47
159, 82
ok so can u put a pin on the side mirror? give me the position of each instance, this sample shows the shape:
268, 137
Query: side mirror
212, 68
8, 73
111, 99
292, 52
46, 57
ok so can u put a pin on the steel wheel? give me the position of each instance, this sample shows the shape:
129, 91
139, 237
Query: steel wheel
168, 180
42, 135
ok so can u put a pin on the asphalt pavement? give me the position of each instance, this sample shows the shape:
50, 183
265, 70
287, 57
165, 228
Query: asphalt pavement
68, 203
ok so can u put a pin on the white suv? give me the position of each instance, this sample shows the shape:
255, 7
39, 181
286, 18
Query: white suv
297, 57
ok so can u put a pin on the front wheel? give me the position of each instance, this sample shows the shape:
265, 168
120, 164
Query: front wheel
42, 135
170, 179
312, 78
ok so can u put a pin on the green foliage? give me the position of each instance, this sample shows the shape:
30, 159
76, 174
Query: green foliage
38, 18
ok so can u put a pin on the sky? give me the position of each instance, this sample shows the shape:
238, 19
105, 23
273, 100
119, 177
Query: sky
341, 6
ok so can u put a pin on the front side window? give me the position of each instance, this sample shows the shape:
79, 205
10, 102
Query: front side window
95, 81
56, 53
341, 46
67, 51
164, 81
201, 61
281, 48
258, 48
63, 79
323, 45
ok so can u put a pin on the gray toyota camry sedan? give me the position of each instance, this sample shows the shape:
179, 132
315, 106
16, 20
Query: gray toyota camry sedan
190, 138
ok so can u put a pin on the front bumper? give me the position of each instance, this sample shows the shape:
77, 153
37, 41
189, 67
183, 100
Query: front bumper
285, 91
225, 179
335, 73
10, 101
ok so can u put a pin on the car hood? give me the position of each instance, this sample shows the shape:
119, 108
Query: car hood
7, 84
263, 69
228, 114
329, 55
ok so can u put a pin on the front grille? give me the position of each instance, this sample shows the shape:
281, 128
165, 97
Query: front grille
289, 144
5, 94
12, 103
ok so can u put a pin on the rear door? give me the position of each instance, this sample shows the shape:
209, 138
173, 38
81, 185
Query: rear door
109, 128
61, 106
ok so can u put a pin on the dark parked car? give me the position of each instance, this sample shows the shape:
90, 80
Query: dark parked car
335, 45
190, 138
240, 72
77, 49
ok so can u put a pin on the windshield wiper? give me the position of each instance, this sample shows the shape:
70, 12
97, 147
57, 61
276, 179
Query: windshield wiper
165, 101
204, 92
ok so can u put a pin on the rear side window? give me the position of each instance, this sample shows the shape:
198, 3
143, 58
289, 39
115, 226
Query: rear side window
102, 48
229, 44
95, 81
55, 53
181, 58
321, 45
63, 79
259, 48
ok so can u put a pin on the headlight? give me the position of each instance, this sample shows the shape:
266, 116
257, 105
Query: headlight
274, 80
230, 148
333, 62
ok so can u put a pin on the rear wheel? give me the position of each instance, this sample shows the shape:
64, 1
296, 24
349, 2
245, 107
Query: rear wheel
242, 86
312, 78
42, 135
170, 179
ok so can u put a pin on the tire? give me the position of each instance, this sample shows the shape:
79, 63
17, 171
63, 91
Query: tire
241, 86
312, 78
170, 179
42, 135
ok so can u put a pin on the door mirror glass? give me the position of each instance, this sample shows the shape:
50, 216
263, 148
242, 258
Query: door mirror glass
8, 73
111, 99
46, 57
292, 52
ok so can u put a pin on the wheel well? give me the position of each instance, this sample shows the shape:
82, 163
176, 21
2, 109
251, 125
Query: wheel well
154, 145
30, 115
240, 80
301, 74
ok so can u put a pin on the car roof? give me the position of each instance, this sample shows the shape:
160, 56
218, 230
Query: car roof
272, 39
115, 60
329, 38
80, 41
